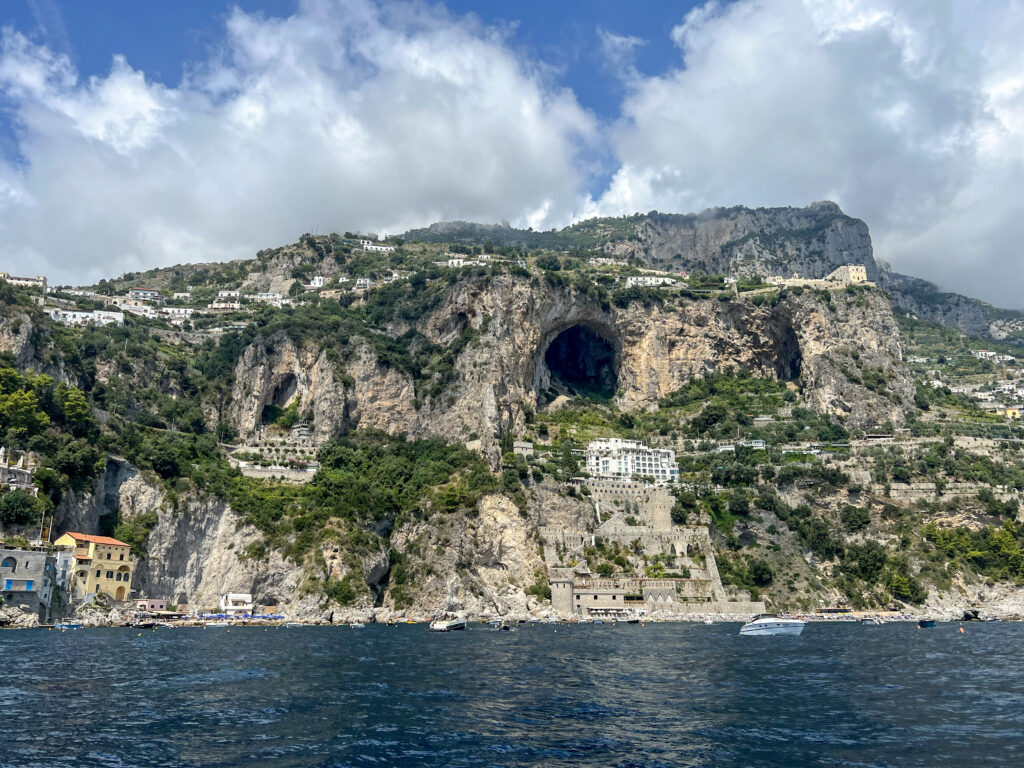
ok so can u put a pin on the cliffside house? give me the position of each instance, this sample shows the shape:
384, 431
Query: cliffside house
17, 475
39, 281
649, 281
76, 317
236, 603
615, 457
145, 294
102, 564
228, 294
27, 579
150, 605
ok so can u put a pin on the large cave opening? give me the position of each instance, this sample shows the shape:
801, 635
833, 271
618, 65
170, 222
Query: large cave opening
582, 362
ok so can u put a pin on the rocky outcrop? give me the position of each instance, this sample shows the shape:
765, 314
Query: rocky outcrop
811, 241
16, 334
479, 566
18, 617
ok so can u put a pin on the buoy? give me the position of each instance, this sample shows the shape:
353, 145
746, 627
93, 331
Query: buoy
139, 635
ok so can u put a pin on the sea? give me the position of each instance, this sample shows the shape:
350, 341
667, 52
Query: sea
841, 694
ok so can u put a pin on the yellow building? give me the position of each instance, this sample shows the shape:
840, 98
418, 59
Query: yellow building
102, 564
1012, 413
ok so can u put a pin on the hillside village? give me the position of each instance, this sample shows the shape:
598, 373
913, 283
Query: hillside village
765, 479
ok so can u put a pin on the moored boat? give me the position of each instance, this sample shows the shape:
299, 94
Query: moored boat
447, 624
68, 625
357, 625
771, 624
925, 623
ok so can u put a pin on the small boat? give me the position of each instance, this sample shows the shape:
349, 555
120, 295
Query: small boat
217, 624
632, 621
447, 624
708, 620
68, 625
599, 621
771, 624
925, 623
871, 622
293, 624
357, 625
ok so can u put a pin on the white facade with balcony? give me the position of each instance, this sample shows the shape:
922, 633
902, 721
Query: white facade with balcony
618, 458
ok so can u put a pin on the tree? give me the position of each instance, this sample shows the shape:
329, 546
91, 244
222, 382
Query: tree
761, 573
76, 410
18, 508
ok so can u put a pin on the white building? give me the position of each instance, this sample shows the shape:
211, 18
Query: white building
369, 245
615, 457
236, 603
224, 305
363, 283
39, 281
649, 281
182, 296
79, 317
144, 294
318, 281
228, 294
180, 313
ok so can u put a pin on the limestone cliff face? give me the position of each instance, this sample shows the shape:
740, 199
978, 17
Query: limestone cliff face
482, 564
16, 336
812, 241
827, 341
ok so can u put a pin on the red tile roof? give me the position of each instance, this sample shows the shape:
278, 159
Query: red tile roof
97, 539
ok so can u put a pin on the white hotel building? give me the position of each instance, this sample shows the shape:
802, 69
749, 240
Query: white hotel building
617, 458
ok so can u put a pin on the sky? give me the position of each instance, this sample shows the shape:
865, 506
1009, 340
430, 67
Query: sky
136, 134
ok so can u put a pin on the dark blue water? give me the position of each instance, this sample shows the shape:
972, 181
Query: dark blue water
660, 695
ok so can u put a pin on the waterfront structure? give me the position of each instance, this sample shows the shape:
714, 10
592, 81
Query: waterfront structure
150, 605
27, 579
39, 281
236, 603
616, 457
102, 564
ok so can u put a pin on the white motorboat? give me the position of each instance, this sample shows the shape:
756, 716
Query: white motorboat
447, 624
771, 624
357, 625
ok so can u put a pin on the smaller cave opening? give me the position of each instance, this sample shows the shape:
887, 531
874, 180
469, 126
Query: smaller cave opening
278, 402
582, 362
787, 354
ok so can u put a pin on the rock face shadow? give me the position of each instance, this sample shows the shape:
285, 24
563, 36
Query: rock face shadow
582, 362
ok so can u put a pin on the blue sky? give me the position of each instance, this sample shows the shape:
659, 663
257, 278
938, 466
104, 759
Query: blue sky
135, 134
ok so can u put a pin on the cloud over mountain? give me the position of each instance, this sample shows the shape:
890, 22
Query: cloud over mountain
344, 115
352, 114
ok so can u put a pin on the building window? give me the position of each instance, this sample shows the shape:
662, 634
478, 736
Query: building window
108, 555
122, 555
595, 597
97, 574
110, 574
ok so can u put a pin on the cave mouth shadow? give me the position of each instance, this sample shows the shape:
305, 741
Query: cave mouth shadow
582, 362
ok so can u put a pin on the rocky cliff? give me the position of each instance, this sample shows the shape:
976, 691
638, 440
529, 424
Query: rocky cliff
825, 341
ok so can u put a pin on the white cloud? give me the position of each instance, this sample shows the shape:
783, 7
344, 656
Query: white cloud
343, 116
350, 114
910, 115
